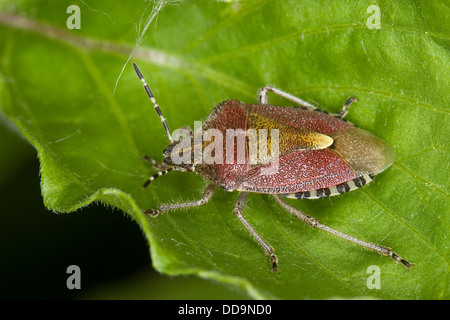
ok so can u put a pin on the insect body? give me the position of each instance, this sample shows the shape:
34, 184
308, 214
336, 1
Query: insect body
313, 154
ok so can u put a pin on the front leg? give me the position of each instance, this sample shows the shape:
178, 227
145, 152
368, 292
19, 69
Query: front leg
207, 194
162, 170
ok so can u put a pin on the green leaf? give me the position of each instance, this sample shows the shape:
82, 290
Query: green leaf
57, 86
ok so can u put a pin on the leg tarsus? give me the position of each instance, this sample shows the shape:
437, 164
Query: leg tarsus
399, 259
152, 212
344, 110
274, 260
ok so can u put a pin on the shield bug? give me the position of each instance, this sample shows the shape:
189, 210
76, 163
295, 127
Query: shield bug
313, 154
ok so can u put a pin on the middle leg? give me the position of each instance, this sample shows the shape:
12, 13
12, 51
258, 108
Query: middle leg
238, 207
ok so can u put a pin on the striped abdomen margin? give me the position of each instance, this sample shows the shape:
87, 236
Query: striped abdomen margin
333, 191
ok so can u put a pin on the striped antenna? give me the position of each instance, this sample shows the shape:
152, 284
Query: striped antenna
153, 100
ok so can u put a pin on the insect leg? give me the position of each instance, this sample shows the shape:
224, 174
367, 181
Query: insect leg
207, 194
263, 99
316, 224
162, 170
238, 207
344, 110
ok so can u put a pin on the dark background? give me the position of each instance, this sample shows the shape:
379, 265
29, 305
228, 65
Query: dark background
37, 245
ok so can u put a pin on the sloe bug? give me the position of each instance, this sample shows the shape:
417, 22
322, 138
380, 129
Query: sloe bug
318, 155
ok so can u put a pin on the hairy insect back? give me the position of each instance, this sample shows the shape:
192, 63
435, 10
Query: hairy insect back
230, 167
